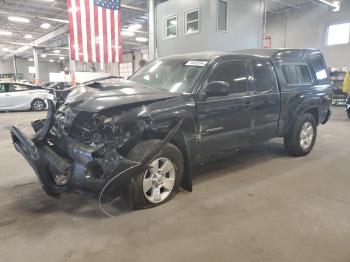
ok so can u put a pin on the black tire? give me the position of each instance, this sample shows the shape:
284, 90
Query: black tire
348, 113
292, 140
38, 105
135, 195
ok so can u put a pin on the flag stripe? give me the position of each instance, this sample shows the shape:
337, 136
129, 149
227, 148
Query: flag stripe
119, 37
88, 30
101, 38
113, 27
83, 29
71, 31
109, 40
75, 28
97, 34
79, 30
93, 40
105, 42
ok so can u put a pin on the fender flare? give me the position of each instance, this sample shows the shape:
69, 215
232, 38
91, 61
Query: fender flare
302, 108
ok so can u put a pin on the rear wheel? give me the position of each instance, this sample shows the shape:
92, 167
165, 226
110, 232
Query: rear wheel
301, 138
38, 105
160, 182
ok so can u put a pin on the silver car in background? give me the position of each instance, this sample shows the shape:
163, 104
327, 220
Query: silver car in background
20, 96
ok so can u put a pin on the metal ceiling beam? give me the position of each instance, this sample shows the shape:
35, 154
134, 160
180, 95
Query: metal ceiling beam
134, 8
37, 42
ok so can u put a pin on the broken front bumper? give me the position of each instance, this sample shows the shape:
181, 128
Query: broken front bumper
71, 167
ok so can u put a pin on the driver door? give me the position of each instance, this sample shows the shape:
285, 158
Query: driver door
225, 122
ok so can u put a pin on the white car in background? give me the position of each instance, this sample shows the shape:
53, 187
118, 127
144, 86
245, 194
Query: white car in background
20, 96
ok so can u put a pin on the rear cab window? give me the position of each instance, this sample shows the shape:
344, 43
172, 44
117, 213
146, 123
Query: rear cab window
234, 73
264, 77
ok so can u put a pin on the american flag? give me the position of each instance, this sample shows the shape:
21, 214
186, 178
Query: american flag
94, 30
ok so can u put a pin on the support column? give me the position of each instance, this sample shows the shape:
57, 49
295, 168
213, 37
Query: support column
36, 65
15, 67
151, 30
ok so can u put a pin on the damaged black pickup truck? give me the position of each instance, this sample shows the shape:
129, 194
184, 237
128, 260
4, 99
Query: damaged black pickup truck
173, 114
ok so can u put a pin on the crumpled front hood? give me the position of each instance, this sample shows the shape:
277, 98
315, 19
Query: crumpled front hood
97, 97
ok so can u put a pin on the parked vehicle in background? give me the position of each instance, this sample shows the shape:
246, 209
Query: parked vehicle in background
173, 114
347, 106
21, 96
55, 85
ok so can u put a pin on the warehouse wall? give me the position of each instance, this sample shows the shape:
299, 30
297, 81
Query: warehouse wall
22, 67
245, 20
308, 28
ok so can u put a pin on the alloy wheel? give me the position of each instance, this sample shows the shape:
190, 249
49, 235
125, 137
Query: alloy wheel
306, 135
159, 180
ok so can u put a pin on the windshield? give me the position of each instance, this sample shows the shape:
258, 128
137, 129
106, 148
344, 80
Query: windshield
173, 75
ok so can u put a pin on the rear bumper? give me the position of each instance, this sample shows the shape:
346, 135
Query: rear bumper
74, 169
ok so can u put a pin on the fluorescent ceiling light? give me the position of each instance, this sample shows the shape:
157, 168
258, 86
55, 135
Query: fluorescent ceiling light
18, 19
5, 49
57, 51
127, 33
51, 60
28, 36
45, 26
141, 39
61, 58
335, 5
43, 55
30, 59
134, 27
6, 33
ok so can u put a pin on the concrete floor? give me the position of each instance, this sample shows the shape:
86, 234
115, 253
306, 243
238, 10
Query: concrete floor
259, 205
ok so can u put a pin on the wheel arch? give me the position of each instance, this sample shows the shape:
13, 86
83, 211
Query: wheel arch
179, 141
311, 108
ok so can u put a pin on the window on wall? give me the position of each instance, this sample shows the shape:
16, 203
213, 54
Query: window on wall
338, 34
192, 22
171, 26
222, 16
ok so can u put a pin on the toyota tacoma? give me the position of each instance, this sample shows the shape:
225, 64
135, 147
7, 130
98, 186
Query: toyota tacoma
145, 134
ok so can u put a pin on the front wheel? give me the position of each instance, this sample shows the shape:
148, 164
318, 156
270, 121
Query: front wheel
160, 182
301, 138
38, 105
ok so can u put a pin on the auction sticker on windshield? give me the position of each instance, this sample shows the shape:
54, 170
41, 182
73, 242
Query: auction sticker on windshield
196, 63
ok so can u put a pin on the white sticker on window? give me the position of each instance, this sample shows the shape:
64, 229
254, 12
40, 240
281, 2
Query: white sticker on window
196, 63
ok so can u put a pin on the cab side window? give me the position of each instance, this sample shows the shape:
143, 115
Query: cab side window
296, 74
264, 78
234, 73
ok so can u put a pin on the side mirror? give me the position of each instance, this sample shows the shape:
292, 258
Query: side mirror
217, 88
